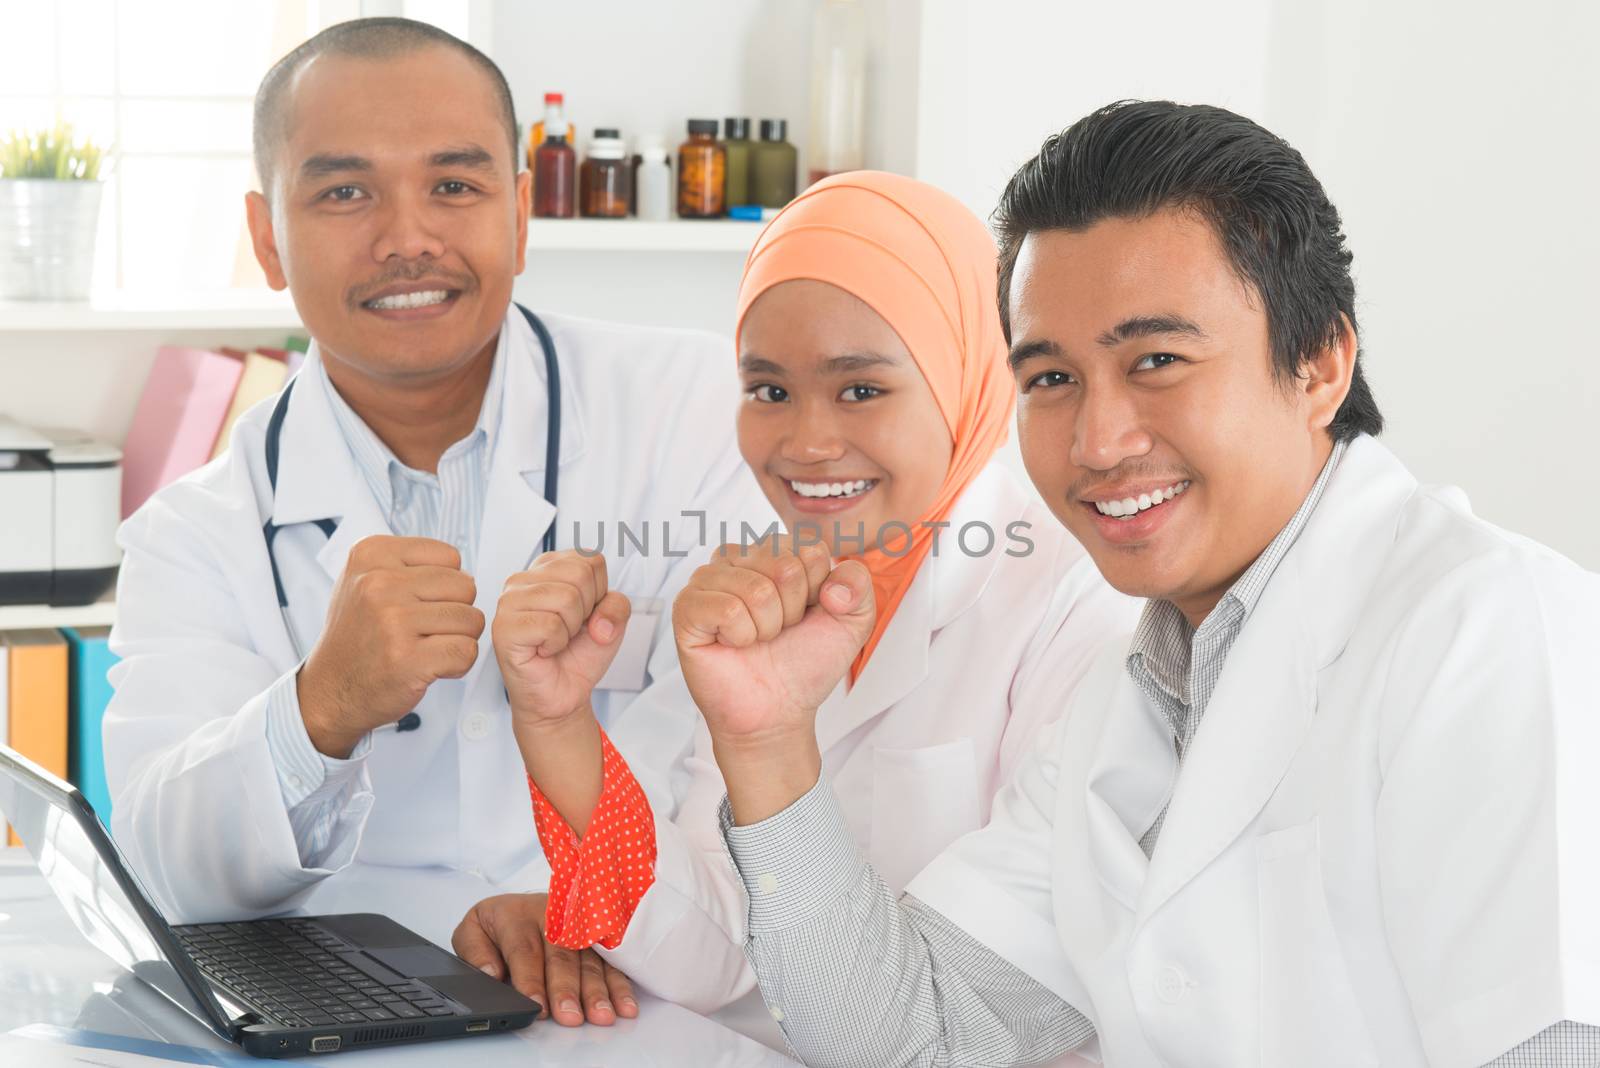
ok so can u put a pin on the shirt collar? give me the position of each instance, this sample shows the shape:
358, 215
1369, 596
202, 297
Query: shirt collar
380, 467
1163, 641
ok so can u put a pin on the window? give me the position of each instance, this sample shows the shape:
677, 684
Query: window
168, 85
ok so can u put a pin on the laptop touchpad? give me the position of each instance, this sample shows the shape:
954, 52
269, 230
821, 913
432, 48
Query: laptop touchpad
418, 962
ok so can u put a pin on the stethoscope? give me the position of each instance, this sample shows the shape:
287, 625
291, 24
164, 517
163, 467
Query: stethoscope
552, 453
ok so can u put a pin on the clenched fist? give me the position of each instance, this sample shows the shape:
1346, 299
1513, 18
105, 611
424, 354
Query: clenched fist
401, 617
556, 630
764, 635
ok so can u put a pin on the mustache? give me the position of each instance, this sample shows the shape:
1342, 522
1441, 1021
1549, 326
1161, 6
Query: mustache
1127, 471
412, 272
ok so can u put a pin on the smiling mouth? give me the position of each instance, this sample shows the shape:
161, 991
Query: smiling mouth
825, 490
403, 301
1128, 507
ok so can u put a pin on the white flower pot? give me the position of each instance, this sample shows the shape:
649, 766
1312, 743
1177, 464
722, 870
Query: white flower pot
47, 229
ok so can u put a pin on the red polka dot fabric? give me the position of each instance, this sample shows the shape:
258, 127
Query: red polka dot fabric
598, 881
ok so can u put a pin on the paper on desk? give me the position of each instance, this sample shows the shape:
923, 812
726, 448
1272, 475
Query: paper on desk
43, 1046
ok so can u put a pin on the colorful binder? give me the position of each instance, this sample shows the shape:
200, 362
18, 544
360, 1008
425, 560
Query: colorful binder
37, 666
180, 414
263, 376
89, 692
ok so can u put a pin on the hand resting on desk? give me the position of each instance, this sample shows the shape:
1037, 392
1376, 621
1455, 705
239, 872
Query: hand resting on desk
504, 936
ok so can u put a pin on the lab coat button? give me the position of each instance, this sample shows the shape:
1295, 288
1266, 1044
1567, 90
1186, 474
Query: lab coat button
768, 883
777, 1013
476, 726
1172, 985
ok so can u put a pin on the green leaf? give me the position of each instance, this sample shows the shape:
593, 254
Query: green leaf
49, 154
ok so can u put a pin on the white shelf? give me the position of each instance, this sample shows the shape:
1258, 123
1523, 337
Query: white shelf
262, 309
238, 309
42, 616
635, 235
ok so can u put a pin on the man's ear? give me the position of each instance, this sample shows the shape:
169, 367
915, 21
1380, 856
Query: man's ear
1325, 376
258, 215
524, 200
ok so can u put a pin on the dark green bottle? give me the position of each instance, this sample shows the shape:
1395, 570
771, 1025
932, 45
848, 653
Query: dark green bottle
736, 142
775, 165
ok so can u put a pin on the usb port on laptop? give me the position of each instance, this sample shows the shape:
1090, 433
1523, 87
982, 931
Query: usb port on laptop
477, 1025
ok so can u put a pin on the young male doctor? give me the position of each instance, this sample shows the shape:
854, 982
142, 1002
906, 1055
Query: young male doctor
308, 699
1335, 803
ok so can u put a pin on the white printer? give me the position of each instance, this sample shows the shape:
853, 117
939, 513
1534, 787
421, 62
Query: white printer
60, 503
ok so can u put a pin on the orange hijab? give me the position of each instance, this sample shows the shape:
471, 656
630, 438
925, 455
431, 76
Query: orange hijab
921, 260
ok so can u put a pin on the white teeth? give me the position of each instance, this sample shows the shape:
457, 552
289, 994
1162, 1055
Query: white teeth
1129, 506
832, 489
411, 300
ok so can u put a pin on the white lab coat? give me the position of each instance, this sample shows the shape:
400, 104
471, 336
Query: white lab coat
647, 432
1382, 847
981, 653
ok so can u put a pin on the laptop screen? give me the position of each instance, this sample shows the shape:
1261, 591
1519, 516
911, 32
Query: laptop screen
84, 871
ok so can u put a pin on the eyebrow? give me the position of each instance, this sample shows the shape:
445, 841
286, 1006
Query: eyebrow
323, 164
855, 361
474, 157
758, 365
1023, 351
1148, 325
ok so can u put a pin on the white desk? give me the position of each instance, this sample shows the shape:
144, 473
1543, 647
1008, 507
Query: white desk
50, 975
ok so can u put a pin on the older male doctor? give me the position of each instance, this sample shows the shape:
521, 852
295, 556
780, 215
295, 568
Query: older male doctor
1334, 804
308, 706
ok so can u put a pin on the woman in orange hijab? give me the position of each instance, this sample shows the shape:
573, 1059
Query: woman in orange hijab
876, 394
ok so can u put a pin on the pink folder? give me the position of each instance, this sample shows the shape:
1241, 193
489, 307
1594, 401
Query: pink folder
180, 413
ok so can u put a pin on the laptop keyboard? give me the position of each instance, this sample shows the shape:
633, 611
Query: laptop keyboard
298, 974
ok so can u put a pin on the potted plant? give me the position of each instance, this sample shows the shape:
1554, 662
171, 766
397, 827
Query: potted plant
49, 211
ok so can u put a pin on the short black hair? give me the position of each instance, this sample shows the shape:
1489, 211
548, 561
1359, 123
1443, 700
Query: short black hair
373, 38
1281, 233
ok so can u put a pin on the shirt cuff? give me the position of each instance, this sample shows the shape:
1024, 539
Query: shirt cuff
597, 881
793, 865
304, 773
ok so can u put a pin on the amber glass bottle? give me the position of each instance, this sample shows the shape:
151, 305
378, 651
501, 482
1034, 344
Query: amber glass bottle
554, 175
702, 170
603, 184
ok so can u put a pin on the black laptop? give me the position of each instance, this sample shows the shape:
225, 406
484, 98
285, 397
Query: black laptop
276, 988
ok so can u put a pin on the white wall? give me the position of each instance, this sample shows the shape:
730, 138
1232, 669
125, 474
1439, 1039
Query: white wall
647, 71
1462, 151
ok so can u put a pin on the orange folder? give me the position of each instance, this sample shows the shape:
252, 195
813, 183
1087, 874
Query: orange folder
36, 672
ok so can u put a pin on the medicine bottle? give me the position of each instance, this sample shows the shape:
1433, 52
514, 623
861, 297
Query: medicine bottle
736, 144
773, 165
554, 174
554, 108
702, 170
654, 186
605, 178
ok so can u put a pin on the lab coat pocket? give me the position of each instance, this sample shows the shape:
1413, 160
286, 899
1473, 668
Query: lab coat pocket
922, 800
1309, 1013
